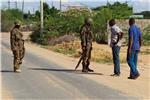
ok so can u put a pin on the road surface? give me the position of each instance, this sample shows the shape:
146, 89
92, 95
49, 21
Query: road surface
42, 79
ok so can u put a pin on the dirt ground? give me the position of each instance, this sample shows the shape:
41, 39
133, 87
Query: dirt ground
138, 88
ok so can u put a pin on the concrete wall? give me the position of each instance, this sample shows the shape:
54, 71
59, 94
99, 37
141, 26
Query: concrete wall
141, 23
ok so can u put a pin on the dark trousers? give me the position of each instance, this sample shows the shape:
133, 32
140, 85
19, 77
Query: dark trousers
18, 56
116, 59
86, 57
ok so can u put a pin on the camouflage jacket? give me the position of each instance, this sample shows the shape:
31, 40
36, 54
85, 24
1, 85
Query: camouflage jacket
16, 40
86, 36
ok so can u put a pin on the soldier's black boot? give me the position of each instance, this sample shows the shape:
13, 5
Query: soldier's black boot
84, 69
90, 70
20, 62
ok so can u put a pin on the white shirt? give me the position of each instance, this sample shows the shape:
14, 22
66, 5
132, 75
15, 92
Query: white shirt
113, 35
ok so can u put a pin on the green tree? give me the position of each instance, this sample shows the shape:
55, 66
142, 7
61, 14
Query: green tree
146, 14
119, 10
100, 24
8, 17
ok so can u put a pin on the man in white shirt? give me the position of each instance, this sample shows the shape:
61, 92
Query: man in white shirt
115, 43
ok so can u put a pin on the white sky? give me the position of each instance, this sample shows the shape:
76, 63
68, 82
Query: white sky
138, 5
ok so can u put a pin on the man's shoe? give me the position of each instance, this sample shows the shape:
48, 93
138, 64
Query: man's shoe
130, 77
115, 75
134, 77
90, 70
18, 71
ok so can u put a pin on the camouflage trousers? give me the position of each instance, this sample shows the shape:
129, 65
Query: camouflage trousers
87, 57
18, 56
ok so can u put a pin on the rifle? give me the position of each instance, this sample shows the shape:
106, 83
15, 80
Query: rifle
82, 55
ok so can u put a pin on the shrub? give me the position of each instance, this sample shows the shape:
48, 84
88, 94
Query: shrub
146, 36
100, 25
8, 17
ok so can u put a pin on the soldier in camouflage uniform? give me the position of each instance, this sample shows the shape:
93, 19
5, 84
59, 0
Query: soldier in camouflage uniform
17, 46
86, 43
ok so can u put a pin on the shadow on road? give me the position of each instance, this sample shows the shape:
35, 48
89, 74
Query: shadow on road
7, 71
65, 70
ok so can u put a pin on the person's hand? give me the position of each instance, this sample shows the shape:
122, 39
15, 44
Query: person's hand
110, 45
129, 52
14, 48
83, 47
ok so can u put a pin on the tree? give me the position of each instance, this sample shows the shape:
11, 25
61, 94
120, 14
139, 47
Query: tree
119, 10
100, 24
8, 17
49, 11
146, 14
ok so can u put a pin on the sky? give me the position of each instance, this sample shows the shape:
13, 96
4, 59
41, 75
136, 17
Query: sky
33, 5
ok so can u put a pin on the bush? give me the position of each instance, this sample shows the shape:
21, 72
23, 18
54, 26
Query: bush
71, 20
100, 25
146, 36
8, 17
63, 23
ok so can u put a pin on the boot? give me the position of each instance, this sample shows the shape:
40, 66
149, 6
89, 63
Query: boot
20, 62
90, 70
18, 71
84, 69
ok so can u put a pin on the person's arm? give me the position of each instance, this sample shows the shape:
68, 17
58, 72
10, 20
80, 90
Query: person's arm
12, 40
130, 45
130, 41
121, 35
18, 35
92, 36
82, 35
109, 38
140, 38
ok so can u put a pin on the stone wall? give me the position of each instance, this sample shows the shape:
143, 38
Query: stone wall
142, 23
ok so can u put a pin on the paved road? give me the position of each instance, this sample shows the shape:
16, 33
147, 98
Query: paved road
45, 80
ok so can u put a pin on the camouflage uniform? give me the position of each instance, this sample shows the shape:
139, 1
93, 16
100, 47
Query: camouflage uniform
86, 43
17, 47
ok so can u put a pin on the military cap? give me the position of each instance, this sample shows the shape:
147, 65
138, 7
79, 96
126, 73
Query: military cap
88, 20
17, 22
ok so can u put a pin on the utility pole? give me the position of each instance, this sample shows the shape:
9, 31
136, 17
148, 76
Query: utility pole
60, 5
41, 13
22, 6
16, 4
52, 4
33, 11
8, 4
